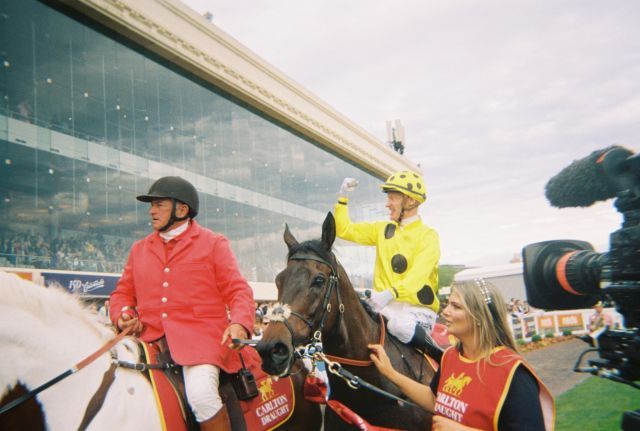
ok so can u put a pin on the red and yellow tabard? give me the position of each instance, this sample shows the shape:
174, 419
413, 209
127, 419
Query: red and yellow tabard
476, 400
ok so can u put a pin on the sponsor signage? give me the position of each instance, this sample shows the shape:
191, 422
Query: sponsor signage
572, 322
83, 284
273, 405
545, 323
529, 325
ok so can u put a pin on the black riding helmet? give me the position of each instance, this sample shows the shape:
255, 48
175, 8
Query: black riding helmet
177, 189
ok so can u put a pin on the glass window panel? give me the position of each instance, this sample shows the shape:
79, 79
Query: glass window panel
109, 120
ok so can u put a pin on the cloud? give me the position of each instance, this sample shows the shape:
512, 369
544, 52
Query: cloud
496, 97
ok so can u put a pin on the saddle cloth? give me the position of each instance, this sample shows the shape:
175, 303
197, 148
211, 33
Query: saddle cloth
271, 408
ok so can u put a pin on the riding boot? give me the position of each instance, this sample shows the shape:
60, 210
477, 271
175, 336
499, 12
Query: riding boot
422, 340
219, 421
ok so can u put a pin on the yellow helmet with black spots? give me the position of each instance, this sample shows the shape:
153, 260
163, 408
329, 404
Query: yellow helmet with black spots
408, 183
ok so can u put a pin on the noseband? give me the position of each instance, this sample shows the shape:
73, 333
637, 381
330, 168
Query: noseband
280, 315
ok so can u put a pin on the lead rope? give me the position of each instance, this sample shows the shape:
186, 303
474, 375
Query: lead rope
80, 365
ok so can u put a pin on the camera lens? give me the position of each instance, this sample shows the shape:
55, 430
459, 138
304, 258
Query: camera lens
562, 274
578, 272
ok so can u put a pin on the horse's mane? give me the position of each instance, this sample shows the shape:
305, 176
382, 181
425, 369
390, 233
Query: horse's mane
44, 331
316, 246
47, 305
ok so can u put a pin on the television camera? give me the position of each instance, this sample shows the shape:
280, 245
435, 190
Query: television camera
569, 274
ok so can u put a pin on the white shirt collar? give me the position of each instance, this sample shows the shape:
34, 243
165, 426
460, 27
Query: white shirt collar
169, 235
409, 220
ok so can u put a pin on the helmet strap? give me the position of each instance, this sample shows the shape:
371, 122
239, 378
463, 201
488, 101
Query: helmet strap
405, 208
174, 218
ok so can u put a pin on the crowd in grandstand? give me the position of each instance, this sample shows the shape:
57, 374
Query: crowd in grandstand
87, 252
519, 308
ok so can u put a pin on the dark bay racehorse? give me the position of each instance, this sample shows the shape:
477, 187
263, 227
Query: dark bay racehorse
44, 331
317, 295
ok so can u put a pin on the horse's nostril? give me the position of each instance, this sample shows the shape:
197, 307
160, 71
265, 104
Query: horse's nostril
280, 351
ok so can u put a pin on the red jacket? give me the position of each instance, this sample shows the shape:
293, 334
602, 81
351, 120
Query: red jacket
185, 295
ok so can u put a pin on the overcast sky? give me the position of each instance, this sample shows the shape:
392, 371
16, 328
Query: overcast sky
496, 97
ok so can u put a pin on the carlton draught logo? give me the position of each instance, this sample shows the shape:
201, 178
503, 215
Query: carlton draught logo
454, 385
266, 389
274, 406
447, 403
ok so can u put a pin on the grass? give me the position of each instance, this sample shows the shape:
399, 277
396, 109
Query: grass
595, 404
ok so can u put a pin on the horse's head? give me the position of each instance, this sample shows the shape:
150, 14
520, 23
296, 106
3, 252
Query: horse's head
308, 299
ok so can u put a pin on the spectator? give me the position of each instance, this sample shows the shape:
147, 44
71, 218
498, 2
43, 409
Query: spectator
599, 322
103, 313
257, 325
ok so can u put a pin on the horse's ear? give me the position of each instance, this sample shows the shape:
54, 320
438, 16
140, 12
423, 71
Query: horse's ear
289, 239
329, 231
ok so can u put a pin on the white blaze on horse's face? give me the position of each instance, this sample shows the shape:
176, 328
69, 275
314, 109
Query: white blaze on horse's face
279, 312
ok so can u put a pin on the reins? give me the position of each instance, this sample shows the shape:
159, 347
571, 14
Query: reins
356, 362
80, 365
334, 363
326, 307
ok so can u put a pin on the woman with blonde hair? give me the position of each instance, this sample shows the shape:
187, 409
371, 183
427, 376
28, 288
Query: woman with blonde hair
483, 383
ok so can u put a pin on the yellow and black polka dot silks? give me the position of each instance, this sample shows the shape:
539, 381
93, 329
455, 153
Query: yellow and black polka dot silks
406, 256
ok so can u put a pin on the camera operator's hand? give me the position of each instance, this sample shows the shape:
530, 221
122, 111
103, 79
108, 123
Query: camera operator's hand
348, 185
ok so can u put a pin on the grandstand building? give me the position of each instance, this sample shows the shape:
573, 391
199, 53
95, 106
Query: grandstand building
98, 98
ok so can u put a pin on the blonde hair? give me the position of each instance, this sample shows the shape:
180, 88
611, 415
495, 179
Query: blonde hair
487, 312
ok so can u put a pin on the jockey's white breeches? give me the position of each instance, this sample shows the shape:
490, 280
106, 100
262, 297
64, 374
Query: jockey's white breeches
201, 385
403, 318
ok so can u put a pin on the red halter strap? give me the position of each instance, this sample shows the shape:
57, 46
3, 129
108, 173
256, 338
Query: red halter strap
356, 362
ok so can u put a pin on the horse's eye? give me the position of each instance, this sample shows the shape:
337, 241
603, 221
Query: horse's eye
318, 281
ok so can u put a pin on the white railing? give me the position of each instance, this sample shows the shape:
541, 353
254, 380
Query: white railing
556, 323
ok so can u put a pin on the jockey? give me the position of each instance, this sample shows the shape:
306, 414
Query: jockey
181, 283
407, 253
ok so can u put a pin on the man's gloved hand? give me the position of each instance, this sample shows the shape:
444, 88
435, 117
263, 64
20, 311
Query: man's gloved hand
378, 300
348, 185
234, 330
127, 320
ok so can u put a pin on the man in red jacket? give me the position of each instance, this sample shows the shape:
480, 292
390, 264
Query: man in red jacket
182, 282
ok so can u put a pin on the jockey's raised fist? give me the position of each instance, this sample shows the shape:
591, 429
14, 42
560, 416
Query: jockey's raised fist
348, 185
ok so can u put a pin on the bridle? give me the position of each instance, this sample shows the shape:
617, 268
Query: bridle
281, 313
95, 403
325, 307
315, 337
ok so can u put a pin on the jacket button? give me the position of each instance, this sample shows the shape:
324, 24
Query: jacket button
167, 269
164, 299
164, 315
165, 284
